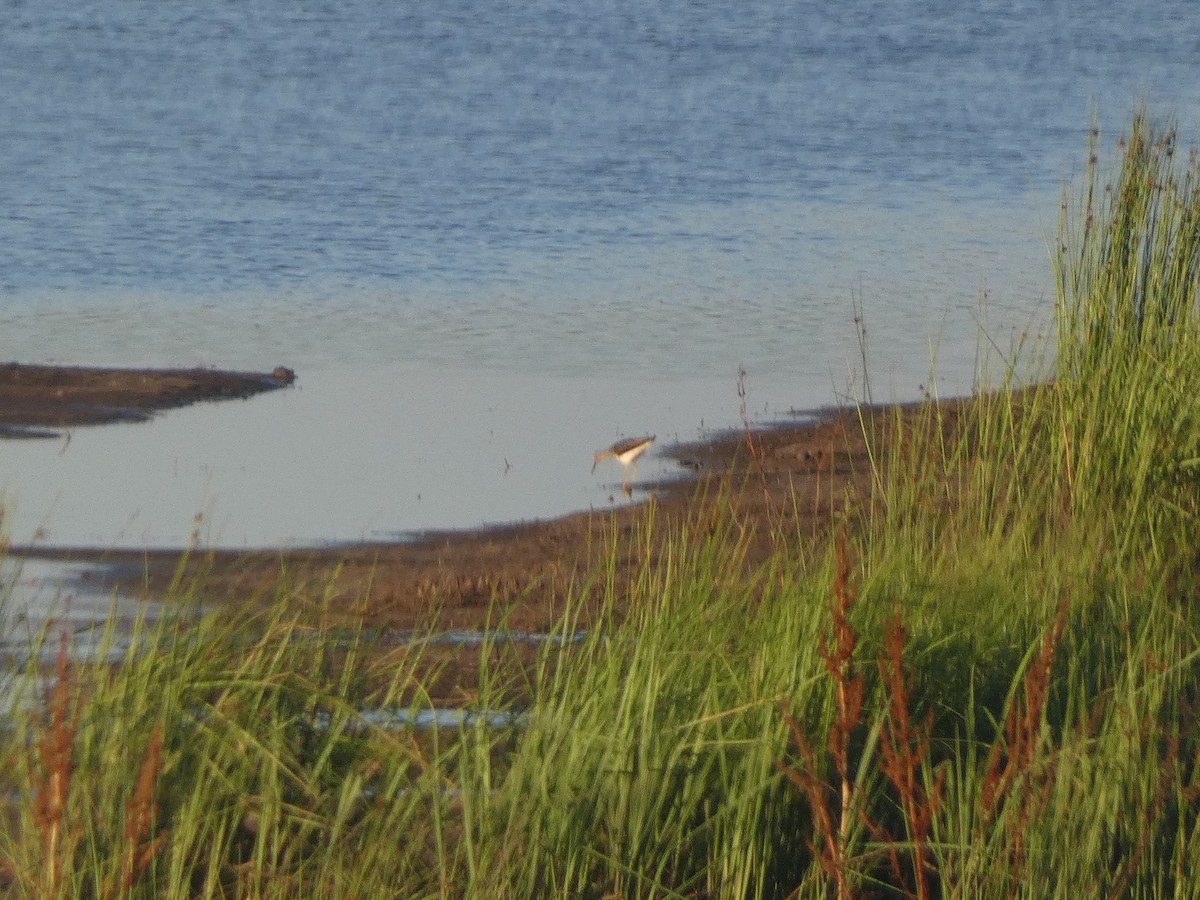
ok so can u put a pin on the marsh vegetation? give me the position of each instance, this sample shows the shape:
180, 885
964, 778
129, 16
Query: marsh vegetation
982, 682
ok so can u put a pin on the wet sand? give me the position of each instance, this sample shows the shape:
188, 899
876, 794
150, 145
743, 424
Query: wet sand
790, 480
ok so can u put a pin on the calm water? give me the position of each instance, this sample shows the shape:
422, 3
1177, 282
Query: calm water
494, 237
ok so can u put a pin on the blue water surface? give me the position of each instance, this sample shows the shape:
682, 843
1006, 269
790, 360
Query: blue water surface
192, 150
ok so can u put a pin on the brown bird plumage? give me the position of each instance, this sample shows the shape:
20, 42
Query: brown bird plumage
625, 452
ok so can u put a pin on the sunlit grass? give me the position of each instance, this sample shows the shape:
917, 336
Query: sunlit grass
984, 685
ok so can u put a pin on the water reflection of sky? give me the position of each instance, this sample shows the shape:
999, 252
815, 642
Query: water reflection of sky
43, 600
348, 454
778, 286
438, 411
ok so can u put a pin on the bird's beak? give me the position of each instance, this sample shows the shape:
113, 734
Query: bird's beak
595, 462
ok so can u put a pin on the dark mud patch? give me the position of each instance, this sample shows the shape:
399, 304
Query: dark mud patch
39, 401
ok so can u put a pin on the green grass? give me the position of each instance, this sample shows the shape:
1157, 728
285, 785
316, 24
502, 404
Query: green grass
985, 686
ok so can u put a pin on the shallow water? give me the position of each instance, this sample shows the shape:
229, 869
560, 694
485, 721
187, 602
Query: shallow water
43, 601
353, 455
469, 414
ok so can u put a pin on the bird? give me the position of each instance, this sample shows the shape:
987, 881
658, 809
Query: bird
626, 453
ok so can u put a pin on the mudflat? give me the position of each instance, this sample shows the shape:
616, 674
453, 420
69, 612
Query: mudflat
792, 480
40, 401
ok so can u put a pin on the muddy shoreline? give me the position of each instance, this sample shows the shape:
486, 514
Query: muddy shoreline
787, 479
42, 401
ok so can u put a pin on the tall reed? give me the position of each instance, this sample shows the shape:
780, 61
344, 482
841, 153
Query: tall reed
987, 687
1126, 451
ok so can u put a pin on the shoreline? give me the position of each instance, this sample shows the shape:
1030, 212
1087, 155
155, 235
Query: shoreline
794, 478
784, 486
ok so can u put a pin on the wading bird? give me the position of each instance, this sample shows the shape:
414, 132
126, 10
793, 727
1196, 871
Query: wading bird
626, 453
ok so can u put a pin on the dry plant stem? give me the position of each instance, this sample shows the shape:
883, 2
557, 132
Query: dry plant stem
904, 753
829, 855
54, 784
755, 453
741, 389
140, 812
59, 728
839, 662
860, 329
832, 855
1012, 767
1011, 757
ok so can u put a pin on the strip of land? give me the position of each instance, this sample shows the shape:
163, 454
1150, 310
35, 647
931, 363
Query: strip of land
40, 401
